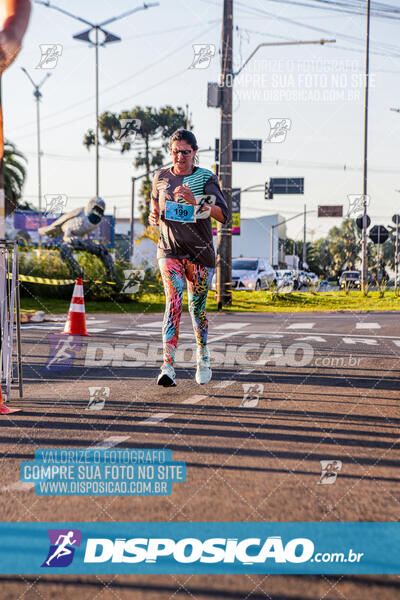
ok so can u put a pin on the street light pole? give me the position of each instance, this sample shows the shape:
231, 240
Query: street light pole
108, 37
364, 273
37, 94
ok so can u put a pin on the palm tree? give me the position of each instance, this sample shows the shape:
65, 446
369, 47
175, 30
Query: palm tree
14, 176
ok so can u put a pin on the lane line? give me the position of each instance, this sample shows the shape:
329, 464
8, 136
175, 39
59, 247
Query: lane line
361, 325
301, 326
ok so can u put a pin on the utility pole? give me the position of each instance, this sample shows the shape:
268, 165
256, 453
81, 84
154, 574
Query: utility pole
37, 94
224, 234
304, 238
364, 272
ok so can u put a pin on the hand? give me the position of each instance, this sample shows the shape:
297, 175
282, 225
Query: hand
154, 217
186, 193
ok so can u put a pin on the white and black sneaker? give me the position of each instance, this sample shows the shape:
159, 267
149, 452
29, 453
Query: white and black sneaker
167, 376
203, 371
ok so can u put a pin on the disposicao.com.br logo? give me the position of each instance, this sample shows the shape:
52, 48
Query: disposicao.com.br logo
191, 550
62, 547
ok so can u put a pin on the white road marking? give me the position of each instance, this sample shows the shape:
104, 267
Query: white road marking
367, 341
342, 335
231, 326
264, 335
223, 336
156, 418
309, 338
95, 330
224, 384
19, 486
361, 325
301, 326
246, 371
194, 399
152, 324
97, 321
112, 441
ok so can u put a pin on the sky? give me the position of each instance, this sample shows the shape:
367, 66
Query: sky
319, 89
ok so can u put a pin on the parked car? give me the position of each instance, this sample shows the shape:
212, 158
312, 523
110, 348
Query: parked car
324, 286
284, 278
350, 279
250, 274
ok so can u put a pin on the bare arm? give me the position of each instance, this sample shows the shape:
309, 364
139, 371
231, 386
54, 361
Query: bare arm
14, 18
217, 214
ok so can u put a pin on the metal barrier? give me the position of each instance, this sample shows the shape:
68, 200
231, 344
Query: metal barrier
10, 354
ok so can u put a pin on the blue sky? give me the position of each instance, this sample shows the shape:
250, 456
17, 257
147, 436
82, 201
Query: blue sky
319, 88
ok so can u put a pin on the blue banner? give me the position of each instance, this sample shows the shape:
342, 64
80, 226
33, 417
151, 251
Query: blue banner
200, 548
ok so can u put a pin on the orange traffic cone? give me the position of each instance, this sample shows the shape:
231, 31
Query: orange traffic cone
5, 410
76, 321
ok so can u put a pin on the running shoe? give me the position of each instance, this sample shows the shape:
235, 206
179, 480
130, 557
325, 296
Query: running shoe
203, 371
167, 376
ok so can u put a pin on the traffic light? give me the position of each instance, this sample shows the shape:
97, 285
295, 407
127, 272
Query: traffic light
268, 195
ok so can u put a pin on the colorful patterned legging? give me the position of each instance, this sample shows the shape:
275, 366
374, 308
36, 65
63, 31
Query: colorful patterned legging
198, 278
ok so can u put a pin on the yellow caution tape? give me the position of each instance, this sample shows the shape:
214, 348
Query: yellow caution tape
48, 281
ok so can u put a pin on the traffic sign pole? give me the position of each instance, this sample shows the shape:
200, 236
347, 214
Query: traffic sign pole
364, 271
396, 221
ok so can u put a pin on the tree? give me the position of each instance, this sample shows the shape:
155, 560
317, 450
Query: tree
320, 258
156, 126
14, 176
344, 246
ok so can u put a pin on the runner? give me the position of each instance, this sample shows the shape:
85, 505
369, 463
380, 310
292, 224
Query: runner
185, 247
62, 549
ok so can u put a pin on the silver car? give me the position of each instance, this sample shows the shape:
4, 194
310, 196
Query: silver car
250, 274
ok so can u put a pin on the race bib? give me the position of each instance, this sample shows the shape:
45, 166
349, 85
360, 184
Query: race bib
174, 211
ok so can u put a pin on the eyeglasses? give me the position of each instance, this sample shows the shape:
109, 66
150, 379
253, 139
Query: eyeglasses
184, 152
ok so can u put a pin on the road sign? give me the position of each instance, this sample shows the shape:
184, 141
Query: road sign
330, 211
396, 219
359, 221
243, 150
379, 234
286, 185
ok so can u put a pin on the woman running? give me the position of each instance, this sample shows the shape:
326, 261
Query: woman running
183, 199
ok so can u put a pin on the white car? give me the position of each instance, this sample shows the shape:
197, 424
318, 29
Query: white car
250, 274
284, 278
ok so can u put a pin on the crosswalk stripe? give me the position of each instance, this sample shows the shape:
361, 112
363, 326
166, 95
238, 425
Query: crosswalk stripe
231, 325
362, 325
301, 326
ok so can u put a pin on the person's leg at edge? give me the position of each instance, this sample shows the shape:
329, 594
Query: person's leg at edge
198, 282
172, 273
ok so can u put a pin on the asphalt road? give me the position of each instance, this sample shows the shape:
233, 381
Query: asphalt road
288, 391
